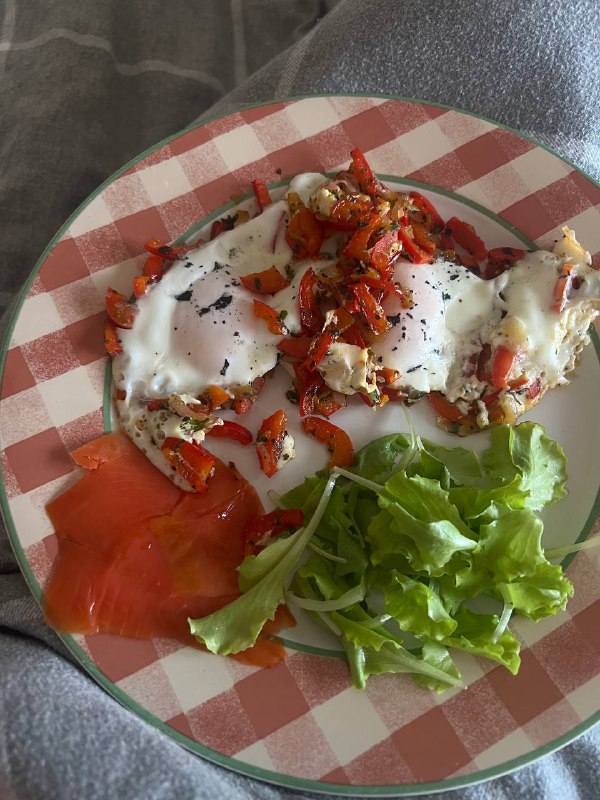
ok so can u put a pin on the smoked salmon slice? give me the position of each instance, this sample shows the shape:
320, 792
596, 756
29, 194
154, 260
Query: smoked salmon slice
137, 555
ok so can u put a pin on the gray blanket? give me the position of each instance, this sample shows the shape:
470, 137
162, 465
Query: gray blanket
83, 88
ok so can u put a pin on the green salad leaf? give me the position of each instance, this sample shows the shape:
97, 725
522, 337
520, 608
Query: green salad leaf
402, 552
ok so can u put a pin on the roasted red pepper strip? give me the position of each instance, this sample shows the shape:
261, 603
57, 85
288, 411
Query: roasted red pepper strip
295, 346
268, 281
411, 249
119, 309
370, 309
311, 317
263, 198
434, 222
391, 288
362, 172
307, 386
466, 236
357, 247
260, 531
499, 259
337, 440
422, 238
271, 317
562, 288
444, 408
328, 403
112, 344
347, 213
304, 233
353, 336
383, 253
231, 430
318, 349
195, 464
269, 442
502, 364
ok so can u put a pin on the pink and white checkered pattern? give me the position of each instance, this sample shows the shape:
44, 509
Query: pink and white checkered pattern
300, 719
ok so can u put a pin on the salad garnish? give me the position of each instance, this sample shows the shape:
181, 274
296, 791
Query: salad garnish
402, 554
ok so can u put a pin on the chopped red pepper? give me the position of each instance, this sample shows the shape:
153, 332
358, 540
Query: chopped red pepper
349, 212
329, 402
231, 430
308, 385
422, 238
362, 172
261, 530
484, 373
295, 346
353, 336
154, 267
195, 464
168, 251
466, 236
391, 288
318, 349
534, 389
245, 398
140, 285
444, 408
383, 253
112, 344
119, 309
269, 281
337, 440
562, 288
304, 233
271, 317
502, 364
269, 442
311, 317
215, 396
499, 259
389, 375
357, 247
411, 249
261, 192
433, 220
370, 309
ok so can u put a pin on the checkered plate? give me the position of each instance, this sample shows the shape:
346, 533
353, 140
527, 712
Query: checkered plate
301, 724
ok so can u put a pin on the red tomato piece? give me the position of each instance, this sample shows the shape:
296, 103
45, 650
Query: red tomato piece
195, 464
269, 442
140, 285
119, 309
154, 267
339, 444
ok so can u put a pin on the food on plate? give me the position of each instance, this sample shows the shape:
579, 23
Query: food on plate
137, 555
357, 290
390, 555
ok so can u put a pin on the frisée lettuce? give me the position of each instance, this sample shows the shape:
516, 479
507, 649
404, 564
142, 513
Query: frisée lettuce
399, 551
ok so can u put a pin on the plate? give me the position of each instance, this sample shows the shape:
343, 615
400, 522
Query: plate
301, 724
